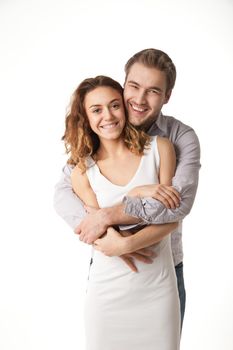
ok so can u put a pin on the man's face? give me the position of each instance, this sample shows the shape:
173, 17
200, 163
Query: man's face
145, 94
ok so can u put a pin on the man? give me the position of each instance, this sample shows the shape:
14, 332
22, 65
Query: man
150, 78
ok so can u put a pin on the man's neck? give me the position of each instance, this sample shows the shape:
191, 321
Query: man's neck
153, 122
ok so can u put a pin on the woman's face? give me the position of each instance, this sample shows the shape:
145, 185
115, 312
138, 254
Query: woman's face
105, 111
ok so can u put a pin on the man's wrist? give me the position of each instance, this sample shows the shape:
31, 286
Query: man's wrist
112, 215
106, 217
116, 216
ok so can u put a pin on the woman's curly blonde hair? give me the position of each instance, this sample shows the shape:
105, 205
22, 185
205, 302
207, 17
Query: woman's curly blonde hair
80, 141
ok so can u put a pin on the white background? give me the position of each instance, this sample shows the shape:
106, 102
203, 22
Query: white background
47, 48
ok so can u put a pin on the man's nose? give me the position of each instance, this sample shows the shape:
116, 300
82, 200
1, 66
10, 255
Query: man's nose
140, 97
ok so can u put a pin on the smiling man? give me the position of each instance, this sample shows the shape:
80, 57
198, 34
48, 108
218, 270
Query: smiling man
150, 78
145, 93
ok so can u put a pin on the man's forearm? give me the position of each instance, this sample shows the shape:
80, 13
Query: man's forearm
185, 181
96, 223
116, 215
151, 211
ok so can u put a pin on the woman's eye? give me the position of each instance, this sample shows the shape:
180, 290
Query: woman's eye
115, 106
97, 110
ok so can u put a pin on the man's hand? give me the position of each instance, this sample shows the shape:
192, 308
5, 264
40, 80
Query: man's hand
92, 226
163, 193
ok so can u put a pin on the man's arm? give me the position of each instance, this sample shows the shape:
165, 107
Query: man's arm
185, 181
149, 210
98, 221
134, 210
66, 203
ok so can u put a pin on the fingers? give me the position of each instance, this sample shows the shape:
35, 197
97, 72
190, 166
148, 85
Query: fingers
175, 192
142, 258
85, 239
168, 196
129, 262
146, 252
97, 241
77, 230
173, 195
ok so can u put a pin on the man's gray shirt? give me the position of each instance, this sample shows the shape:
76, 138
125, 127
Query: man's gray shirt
150, 210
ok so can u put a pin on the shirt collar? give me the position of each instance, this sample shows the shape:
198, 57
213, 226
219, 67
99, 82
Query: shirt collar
158, 126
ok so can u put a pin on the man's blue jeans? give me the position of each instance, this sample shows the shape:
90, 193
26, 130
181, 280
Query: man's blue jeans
181, 289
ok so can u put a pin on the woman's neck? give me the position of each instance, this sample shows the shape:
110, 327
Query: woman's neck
111, 149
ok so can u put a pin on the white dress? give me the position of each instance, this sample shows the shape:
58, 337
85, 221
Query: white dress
127, 310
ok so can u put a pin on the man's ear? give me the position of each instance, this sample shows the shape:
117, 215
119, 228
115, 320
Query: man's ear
168, 95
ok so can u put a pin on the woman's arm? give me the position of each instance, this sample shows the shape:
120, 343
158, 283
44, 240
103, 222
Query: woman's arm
114, 244
167, 164
82, 188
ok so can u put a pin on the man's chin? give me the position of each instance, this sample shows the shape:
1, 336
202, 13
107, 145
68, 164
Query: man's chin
137, 122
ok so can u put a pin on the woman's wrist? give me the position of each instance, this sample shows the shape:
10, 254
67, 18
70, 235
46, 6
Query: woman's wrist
127, 245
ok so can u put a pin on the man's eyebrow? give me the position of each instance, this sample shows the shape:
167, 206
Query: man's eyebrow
149, 88
133, 82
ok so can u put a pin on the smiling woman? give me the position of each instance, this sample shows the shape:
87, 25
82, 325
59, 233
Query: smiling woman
101, 144
90, 119
105, 112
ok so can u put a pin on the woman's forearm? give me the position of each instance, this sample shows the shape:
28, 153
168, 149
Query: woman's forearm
147, 236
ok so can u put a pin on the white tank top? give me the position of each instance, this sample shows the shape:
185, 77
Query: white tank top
109, 194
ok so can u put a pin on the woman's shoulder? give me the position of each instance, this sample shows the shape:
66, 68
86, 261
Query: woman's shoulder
165, 147
77, 172
163, 142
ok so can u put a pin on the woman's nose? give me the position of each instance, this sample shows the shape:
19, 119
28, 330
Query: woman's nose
108, 114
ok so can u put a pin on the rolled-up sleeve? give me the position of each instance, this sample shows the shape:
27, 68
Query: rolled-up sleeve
185, 181
66, 203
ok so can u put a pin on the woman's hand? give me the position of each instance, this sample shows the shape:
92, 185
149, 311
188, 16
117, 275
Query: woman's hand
163, 193
111, 244
114, 244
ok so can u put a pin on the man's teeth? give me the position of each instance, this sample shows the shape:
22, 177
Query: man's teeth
138, 109
109, 126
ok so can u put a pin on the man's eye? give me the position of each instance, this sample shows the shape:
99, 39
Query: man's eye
134, 86
153, 92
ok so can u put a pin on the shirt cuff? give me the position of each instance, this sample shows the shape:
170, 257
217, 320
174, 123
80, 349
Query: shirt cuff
134, 206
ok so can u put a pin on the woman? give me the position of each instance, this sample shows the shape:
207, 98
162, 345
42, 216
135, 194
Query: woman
124, 310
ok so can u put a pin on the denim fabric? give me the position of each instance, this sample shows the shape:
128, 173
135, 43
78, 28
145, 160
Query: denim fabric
181, 289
